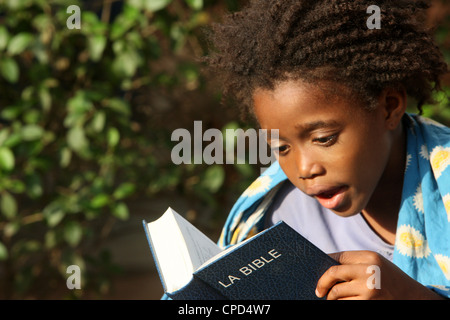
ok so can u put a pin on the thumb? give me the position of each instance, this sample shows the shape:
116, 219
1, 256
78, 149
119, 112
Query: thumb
353, 257
336, 256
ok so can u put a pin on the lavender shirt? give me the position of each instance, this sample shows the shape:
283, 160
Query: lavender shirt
328, 231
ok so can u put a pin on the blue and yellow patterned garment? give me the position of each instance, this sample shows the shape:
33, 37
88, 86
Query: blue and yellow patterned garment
422, 246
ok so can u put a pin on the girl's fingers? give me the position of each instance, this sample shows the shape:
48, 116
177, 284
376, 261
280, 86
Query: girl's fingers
356, 257
351, 271
343, 290
334, 275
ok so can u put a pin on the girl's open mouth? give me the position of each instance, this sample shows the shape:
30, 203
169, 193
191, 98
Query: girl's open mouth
332, 198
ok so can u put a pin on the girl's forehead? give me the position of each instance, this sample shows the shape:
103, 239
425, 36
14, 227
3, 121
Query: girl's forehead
298, 91
307, 108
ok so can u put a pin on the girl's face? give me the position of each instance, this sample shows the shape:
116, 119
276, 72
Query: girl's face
333, 150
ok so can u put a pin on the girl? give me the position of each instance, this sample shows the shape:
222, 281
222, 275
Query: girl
359, 177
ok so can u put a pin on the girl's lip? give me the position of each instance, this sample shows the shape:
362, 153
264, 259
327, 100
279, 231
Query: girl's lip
332, 197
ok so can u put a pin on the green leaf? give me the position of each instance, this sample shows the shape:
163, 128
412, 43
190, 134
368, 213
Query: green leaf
4, 133
13, 140
126, 63
124, 190
9, 69
31, 132
99, 201
195, 4
7, 159
125, 21
138, 4
155, 5
113, 137
118, 106
3, 252
15, 186
247, 170
73, 232
76, 139
45, 99
11, 112
4, 36
8, 205
98, 121
55, 218
96, 45
50, 239
91, 23
53, 214
79, 104
65, 157
11, 228
19, 43
120, 211
213, 178
32, 117
17, 4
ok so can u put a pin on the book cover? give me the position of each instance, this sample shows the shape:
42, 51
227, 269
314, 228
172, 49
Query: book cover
276, 264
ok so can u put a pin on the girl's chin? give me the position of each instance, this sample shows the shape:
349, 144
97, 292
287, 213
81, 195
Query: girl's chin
347, 210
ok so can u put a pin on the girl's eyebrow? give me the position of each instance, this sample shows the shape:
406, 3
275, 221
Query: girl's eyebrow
305, 128
311, 126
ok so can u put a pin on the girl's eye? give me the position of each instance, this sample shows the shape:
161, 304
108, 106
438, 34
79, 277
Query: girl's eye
326, 141
280, 149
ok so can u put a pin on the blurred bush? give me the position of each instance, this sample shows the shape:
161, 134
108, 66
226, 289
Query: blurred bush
86, 121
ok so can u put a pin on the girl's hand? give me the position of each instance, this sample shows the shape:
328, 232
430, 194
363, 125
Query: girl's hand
368, 275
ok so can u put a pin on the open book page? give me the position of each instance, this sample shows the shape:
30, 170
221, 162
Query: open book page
180, 248
222, 253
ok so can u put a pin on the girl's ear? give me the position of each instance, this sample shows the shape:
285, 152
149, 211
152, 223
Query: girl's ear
393, 103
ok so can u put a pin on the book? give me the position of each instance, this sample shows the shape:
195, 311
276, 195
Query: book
275, 264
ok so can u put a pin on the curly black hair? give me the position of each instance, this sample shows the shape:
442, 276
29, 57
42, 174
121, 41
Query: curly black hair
275, 40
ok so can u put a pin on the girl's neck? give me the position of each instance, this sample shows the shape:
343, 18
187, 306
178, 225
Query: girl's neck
381, 213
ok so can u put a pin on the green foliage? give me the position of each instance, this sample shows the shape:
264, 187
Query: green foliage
440, 110
77, 141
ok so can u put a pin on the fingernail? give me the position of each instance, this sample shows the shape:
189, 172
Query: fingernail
318, 294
